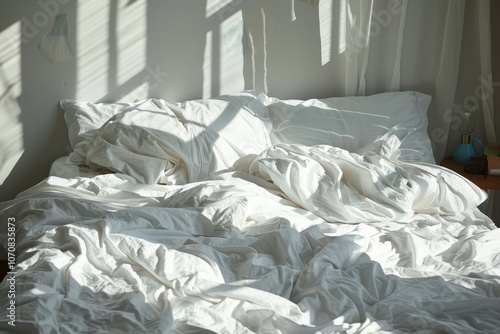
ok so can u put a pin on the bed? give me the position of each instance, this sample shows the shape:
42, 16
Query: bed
246, 213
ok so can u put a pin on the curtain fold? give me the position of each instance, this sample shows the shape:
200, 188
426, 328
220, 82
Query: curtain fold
415, 45
483, 12
357, 16
439, 48
396, 72
447, 76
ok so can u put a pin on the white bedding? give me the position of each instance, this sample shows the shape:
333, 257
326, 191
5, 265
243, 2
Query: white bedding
236, 253
354, 122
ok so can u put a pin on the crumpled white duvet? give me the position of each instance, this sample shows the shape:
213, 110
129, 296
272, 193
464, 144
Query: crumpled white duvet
239, 254
340, 186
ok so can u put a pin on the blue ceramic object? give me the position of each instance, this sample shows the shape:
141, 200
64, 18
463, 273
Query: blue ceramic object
467, 149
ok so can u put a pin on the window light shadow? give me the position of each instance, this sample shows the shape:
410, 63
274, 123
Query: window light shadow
258, 20
207, 65
11, 129
231, 54
235, 55
10, 59
131, 30
92, 49
220, 7
325, 11
111, 49
140, 92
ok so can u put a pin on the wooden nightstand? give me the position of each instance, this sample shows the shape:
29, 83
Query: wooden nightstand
485, 182
489, 183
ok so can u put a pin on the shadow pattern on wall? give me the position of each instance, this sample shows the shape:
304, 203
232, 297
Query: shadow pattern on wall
176, 50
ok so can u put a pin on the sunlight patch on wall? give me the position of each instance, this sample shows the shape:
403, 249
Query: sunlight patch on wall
11, 128
221, 6
92, 49
231, 54
258, 25
325, 10
264, 53
10, 59
207, 66
139, 93
293, 17
251, 48
342, 26
131, 39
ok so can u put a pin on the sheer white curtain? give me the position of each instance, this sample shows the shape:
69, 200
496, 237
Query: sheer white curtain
388, 45
483, 18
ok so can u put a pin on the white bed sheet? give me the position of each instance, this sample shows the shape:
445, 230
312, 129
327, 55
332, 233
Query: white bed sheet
238, 254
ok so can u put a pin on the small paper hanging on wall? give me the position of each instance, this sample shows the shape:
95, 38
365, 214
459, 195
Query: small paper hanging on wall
55, 47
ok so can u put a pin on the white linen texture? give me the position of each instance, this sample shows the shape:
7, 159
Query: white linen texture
354, 122
230, 255
346, 187
84, 118
159, 141
207, 216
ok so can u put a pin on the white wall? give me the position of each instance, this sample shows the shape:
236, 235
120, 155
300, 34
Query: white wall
176, 50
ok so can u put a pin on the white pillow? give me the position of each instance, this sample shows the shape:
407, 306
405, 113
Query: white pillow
239, 118
153, 144
83, 119
355, 122
157, 141
246, 133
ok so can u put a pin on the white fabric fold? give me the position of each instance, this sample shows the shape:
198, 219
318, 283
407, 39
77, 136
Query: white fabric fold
346, 187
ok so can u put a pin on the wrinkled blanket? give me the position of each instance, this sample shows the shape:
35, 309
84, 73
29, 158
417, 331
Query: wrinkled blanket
263, 248
346, 187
